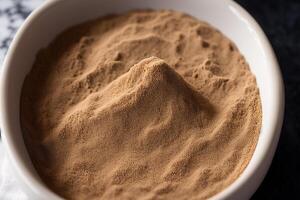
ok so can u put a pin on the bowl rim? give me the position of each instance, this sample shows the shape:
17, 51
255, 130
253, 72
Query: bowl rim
277, 121
39, 189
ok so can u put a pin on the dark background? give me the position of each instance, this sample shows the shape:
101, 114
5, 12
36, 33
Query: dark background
280, 19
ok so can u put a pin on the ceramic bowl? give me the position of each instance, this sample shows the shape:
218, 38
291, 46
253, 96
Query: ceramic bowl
56, 15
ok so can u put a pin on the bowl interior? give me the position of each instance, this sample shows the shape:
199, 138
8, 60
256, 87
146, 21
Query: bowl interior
55, 16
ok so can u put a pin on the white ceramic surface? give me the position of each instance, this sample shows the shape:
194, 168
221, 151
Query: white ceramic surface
56, 15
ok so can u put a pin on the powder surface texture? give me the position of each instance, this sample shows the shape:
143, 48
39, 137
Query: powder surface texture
144, 105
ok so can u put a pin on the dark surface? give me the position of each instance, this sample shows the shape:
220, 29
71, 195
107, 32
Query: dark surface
280, 19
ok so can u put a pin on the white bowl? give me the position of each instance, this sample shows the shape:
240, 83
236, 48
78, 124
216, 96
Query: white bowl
54, 16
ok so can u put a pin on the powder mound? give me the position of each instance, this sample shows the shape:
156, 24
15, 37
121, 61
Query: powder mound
150, 89
153, 83
110, 121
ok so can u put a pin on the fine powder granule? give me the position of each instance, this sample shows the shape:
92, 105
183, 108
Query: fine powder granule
144, 105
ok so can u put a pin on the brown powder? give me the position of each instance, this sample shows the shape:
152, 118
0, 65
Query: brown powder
145, 105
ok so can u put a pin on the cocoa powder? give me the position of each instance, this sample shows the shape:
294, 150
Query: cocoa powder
144, 105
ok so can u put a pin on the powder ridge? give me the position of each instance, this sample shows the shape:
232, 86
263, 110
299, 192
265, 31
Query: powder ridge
144, 105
